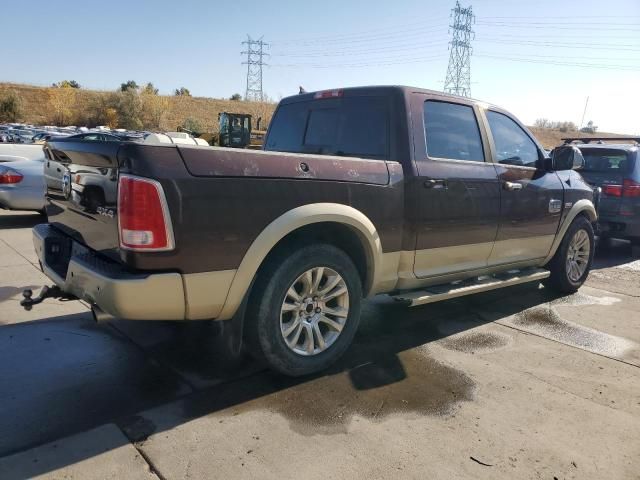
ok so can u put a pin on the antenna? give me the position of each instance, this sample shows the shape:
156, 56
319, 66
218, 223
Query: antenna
584, 113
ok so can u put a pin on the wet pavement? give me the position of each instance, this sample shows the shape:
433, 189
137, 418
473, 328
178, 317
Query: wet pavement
516, 383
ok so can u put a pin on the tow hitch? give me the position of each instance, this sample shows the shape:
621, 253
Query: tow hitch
47, 292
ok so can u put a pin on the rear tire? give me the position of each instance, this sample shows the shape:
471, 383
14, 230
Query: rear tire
571, 263
304, 309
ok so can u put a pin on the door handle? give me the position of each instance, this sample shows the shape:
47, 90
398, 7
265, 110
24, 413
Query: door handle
435, 183
512, 186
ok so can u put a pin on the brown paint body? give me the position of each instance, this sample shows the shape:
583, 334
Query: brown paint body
220, 200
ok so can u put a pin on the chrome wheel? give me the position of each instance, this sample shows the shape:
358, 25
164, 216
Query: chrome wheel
314, 311
578, 255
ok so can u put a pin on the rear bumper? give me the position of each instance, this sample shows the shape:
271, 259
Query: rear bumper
619, 226
119, 293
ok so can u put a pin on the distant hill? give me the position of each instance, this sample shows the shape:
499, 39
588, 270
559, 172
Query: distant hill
46, 106
552, 137
51, 106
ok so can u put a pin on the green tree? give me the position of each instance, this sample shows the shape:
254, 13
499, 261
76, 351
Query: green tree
128, 85
149, 89
236, 97
154, 108
182, 92
130, 110
10, 107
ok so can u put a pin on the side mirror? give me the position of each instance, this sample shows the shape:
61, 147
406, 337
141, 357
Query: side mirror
566, 157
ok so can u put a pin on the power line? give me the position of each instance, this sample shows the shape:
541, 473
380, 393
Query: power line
590, 46
458, 80
545, 17
554, 27
255, 61
365, 63
401, 28
553, 24
350, 52
563, 63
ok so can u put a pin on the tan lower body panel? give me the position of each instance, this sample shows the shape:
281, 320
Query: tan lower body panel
155, 297
520, 249
205, 293
458, 258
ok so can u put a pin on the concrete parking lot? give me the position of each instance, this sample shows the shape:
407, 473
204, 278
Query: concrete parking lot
516, 383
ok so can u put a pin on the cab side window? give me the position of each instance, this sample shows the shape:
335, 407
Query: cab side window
452, 132
513, 145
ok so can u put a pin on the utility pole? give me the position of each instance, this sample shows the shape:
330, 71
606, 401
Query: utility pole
458, 79
584, 112
255, 60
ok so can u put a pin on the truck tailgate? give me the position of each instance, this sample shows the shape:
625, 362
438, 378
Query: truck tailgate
82, 185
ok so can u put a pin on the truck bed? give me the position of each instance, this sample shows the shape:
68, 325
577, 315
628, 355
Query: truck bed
210, 192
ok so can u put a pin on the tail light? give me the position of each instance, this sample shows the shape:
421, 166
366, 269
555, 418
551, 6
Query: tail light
630, 188
9, 176
612, 190
144, 223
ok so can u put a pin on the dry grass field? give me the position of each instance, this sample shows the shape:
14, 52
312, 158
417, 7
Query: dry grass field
46, 106
51, 106
552, 138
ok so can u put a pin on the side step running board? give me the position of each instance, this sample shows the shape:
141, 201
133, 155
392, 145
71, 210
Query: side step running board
485, 283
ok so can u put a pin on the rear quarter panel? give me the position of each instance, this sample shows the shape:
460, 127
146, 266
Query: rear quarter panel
221, 199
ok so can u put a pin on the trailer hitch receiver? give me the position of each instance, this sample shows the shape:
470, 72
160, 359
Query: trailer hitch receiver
47, 292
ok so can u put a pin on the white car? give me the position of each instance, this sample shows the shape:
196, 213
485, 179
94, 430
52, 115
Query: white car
22, 185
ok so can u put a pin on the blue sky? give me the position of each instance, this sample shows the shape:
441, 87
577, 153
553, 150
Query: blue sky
537, 59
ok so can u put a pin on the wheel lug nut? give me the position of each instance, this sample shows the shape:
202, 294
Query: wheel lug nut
318, 310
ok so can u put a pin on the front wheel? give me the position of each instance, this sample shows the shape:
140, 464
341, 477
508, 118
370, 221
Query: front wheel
304, 309
571, 263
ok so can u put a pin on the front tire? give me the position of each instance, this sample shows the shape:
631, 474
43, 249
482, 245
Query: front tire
304, 309
571, 263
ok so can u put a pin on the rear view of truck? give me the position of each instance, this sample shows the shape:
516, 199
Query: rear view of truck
106, 221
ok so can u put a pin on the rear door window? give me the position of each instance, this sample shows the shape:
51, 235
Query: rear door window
451, 131
352, 126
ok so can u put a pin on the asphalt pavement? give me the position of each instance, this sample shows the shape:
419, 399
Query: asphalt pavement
514, 383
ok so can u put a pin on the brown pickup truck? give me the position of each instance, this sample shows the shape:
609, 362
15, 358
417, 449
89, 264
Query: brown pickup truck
359, 191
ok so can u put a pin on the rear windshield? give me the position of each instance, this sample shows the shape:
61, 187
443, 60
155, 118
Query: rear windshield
605, 160
352, 126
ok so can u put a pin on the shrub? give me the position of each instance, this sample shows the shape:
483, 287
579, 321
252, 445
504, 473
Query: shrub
10, 107
193, 126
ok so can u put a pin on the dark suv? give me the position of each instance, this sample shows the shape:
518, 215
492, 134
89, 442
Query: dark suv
615, 168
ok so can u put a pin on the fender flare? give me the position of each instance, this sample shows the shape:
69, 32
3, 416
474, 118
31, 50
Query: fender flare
584, 205
291, 221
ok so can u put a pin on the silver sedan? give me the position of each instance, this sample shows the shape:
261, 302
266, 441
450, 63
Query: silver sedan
22, 185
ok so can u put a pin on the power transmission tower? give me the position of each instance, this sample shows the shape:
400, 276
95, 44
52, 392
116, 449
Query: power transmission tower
255, 61
458, 79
